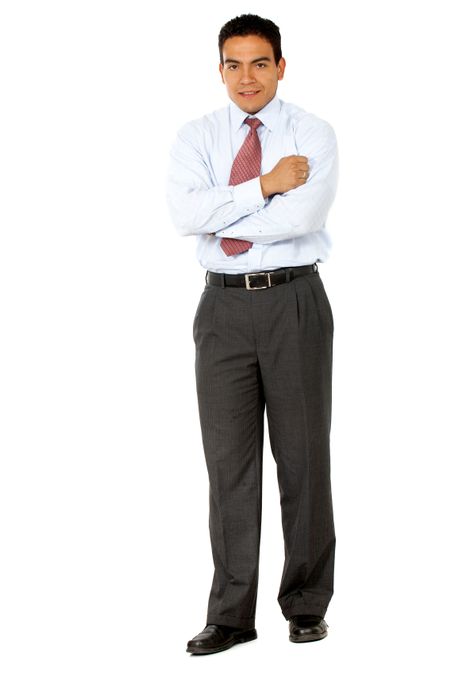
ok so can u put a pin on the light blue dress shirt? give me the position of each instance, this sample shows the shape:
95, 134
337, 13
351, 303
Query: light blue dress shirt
287, 229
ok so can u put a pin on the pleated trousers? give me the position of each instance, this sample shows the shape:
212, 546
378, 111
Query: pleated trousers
255, 350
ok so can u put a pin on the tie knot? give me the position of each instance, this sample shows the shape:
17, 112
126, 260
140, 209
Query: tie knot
253, 122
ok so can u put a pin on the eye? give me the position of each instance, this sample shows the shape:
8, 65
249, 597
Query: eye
262, 64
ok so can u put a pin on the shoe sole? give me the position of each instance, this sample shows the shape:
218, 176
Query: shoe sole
234, 640
307, 638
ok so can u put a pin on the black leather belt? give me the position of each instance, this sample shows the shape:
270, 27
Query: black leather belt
255, 281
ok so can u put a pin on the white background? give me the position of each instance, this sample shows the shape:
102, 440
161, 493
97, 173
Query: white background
106, 564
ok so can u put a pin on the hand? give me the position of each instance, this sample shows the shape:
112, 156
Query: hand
290, 172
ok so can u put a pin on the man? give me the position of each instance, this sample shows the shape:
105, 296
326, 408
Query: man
254, 182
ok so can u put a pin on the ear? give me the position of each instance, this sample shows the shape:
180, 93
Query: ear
221, 72
280, 68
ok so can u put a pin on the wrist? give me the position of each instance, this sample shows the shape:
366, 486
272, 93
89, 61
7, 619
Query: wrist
265, 185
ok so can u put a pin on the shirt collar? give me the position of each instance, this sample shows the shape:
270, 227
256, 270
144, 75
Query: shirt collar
268, 115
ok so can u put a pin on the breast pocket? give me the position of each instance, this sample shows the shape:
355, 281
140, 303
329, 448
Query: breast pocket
277, 149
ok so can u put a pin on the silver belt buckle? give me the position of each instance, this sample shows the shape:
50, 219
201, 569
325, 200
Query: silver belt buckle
256, 274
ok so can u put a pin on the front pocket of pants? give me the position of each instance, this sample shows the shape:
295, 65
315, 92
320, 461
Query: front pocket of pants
201, 304
326, 301
321, 298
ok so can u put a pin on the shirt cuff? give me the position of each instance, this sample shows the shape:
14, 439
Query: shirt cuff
248, 195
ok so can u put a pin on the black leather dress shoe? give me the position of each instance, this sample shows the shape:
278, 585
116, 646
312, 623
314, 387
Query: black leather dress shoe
305, 628
216, 638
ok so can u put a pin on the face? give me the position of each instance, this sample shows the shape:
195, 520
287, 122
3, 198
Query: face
249, 66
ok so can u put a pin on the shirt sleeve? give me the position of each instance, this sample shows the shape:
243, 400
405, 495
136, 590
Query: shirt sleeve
303, 209
195, 205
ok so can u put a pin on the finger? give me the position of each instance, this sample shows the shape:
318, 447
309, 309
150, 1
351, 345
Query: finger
302, 166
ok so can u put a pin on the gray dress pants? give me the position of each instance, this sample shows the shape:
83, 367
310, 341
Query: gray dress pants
254, 349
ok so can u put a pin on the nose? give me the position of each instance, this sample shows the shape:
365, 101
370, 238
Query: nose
247, 75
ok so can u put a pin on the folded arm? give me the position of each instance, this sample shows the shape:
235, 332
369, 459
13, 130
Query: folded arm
195, 205
303, 209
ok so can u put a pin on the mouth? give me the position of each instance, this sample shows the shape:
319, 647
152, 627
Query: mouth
249, 94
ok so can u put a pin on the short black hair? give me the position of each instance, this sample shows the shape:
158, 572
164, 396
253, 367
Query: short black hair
252, 24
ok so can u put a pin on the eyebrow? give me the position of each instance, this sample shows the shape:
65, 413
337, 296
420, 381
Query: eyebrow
261, 58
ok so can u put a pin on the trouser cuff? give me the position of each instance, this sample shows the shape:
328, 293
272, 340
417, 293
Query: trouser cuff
302, 608
228, 620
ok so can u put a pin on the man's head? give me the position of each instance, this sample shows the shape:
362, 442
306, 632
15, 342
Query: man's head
251, 60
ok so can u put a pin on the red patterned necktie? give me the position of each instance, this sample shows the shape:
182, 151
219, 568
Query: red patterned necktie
246, 165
